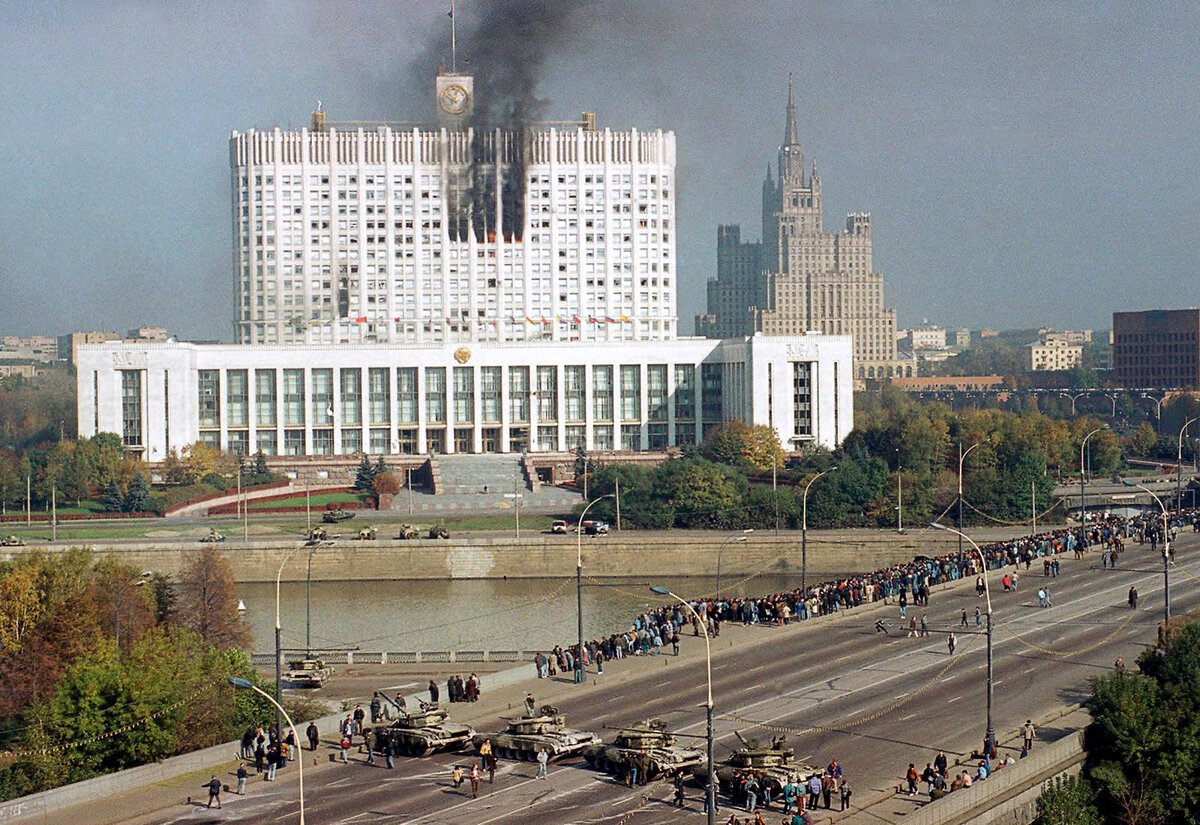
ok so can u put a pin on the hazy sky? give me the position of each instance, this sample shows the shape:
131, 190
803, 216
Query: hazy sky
1024, 163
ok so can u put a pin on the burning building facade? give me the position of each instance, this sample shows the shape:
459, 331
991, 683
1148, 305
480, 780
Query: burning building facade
453, 232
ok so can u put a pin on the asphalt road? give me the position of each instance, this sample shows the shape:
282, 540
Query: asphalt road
836, 687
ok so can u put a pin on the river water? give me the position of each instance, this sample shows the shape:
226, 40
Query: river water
473, 614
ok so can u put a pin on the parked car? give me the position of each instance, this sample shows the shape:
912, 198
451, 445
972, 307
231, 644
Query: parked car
559, 526
595, 528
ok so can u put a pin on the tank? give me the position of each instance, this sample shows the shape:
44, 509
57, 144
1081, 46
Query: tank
308, 672
423, 731
368, 533
316, 534
649, 738
407, 531
438, 531
526, 735
336, 514
774, 765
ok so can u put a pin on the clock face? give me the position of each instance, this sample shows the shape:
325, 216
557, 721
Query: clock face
453, 99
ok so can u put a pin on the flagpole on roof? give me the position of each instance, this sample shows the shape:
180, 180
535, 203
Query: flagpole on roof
453, 41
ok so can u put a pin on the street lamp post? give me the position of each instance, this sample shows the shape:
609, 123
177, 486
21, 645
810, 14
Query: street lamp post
1113, 398
1157, 405
245, 684
279, 645
743, 536
1166, 553
804, 533
1179, 466
710, 789
579, 671
990, 734
899, 499
1082, 503
1073, 399
961, 457
138, 581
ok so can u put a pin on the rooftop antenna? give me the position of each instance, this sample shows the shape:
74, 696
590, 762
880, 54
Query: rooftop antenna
453, 42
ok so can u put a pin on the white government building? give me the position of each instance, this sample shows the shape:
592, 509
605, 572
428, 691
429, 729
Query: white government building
458, 291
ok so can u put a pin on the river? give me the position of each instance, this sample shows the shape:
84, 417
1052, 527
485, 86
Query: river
466, 614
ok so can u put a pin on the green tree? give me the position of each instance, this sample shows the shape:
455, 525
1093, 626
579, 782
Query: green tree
113, 500
364, 476
739, 444
137, 495
1143, 440
1068, 801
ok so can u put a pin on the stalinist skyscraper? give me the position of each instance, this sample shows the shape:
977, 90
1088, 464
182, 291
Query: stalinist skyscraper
800, 278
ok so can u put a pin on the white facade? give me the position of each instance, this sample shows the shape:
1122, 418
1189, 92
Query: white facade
448, 235
494, 397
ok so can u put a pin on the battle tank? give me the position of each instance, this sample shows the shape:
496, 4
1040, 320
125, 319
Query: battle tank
650, 739
773, 765
423, 731
526, 735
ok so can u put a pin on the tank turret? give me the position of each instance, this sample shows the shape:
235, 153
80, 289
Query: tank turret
427, 729
650, 745
773, 765
528, 734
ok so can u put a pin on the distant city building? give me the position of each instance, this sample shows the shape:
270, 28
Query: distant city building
68, 345
1157, 348
409, 400
799, 278
23, 370
358, 233
1083, 336
927, 338
989, 333
1052, 354
34, 348
962, 338
951, 383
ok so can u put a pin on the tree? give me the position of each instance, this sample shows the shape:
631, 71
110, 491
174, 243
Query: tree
112, 500
207, 600
1143, 440
739, 444
365, 475
1068, 801
385, 484
137, 495
21, 602
201, 459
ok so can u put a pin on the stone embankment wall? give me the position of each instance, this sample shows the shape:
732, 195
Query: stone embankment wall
544, 556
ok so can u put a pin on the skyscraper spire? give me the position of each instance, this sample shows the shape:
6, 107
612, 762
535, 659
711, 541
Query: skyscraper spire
789, 138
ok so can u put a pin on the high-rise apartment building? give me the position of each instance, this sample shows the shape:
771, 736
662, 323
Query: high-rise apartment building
1157, 349
800, 278
376, 233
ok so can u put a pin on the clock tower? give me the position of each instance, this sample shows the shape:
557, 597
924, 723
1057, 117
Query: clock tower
455, 99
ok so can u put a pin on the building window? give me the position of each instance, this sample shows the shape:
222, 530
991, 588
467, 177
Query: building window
131, 408
406, 440
435, 398
406, 389
518, 396
380, 441
710, 389
489, 395
351, 399
685, 393
265, 401
802, 400
631, 392
379, 395
293, 402
656, 395
547, 378
657, 436
576, 437
351, 441
602, 395
268, 442
322, 397
685, 435
518, 439
293, 441
464, 397
209, 384
237, 398
602, 437
239, 442
575, 393
631, 437
435, 440
464, 439
548, 438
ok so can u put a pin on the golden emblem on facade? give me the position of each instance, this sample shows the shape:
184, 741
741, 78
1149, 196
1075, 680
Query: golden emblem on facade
462, 355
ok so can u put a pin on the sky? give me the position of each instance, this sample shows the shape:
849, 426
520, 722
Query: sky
1025, 164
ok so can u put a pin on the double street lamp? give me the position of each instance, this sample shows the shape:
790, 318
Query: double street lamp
245, 684
804, 532
1166, 551
962, 457
743, 536
1082, 502
990, 734
711, 790
579, 672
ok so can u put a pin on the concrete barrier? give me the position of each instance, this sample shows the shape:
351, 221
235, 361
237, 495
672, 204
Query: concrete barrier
1009, 796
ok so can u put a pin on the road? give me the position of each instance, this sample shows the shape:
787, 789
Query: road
834, 686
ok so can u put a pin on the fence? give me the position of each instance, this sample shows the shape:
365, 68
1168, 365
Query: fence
384, 657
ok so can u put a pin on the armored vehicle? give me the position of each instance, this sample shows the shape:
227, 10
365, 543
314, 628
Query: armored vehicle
439, 531
308, 672
212, 537
407, 531
368, 533
649, 738
526, 735
16, 541
317, 534
336, 514
421, 732
773, 765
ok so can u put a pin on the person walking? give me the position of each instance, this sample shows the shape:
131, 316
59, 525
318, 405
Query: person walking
214, 791
314, 736
978, 617
389, 752
1049, 601
543, 759
678, 783
370, 740
912, 627
827, 786
911, 776
530, 704
924, 625
491, 768
456, 777
964, 618
1133, 597
951, 642
345, 743
242, 776
1028, 733
814, 791
844, 787
433, 692
880, 627
474, 777
260, 757
485, 750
